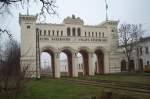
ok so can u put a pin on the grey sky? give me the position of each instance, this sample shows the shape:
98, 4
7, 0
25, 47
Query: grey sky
91, 11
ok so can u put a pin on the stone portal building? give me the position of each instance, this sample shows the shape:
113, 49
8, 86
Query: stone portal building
70, 37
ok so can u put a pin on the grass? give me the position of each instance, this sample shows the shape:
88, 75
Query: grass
59, 89
135, 78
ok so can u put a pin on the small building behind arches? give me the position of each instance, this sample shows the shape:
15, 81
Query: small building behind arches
140, 56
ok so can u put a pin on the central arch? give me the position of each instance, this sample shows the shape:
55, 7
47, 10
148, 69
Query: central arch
100, 61
68, 52
85, 58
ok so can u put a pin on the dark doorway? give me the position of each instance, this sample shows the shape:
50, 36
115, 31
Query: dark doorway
123, 66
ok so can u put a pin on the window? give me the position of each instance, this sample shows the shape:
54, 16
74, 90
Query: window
53, 32
99, 34
137, 51
49, 32
61, 33
28, 27
102, 34
40, 32
148, 63
68, 31
146, 50
79, 32
141, 52
92, 34
79, 66
44, 32
57, 33
89, 33
73, 32
96, 34
85, 33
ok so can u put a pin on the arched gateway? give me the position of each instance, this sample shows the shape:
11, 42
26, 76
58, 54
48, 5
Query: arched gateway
71, 37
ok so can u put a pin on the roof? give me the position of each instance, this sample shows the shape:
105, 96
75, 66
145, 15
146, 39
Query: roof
145, 39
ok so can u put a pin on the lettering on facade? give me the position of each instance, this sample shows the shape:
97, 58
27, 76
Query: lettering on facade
60, 39
72, 39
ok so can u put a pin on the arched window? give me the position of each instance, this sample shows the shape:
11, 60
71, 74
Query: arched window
44, 32
96, 34
40, 32
92, 34
102, 34
68, 31
146, 50
99, 34
85, 33
53, 32
73, 32
49, 32
89, 34
57, 33
61, 33
79, 32
148, 63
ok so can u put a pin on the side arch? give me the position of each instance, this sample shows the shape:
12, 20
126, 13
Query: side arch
69, 52
51, 51
84, 51
45, 48
100, 55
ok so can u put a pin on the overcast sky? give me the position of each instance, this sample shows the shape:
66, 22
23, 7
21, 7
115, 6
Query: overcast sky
91, 11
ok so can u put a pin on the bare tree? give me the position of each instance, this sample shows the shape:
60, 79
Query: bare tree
11, 75
129, 35
48, 6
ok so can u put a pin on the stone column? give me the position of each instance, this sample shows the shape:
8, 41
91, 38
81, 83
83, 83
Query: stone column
57, 65
91, 64
74, 65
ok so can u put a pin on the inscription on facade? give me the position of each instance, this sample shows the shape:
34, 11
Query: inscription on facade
81, 39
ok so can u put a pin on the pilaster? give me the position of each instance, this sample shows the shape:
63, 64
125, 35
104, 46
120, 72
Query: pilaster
74, 65
57, 65
91, 63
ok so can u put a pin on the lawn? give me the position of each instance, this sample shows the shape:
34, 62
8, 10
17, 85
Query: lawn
57, 89
130, 77
47, 88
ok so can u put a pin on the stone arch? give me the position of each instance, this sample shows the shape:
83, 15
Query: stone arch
51, 51
69, 52
49, 48
84, 48
68, 48
123, 65
100, 48
100, 60
85, 54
